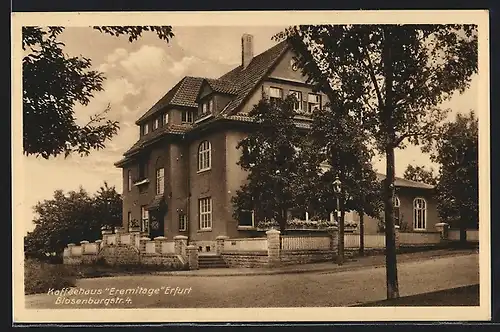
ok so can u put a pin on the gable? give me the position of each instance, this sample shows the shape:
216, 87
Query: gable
204, 91
284, 70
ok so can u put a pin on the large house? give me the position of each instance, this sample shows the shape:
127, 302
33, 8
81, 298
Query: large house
180, 175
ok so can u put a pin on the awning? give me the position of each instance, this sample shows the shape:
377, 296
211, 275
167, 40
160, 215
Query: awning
158, 203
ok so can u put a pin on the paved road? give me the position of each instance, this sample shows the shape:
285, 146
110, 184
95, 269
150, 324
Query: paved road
319, 289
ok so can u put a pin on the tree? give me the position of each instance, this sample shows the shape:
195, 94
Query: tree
420, 174
456, 151
269, 156
54, 83
71, 218
342, 145
400, 73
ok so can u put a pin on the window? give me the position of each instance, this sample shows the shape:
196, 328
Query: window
275, 94
419, 213
182, 222
313, 102
165, 118
160, 181
156, 123
204, 151
396, 210
211, 105
143, 170
187, 117
246, 219
297, 106
129, 180
205, 206
145, 220
145, 129
204, 108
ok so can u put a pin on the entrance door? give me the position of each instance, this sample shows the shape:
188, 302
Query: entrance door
157, 224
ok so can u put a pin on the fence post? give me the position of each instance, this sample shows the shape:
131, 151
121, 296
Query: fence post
192, 257
83, 244
443, 228
219, 246
273, 247
180, 244
333, 231
396, 236
143, 242
158, 243
99, 244
105, 234
70, 246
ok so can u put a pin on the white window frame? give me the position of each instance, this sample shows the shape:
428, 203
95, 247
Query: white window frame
204, 108
145, 129
182, 222
160, 181
298, 103
205, 213
275, 96
165, 118
144, 219
156, 123
397, 204
419, 214
204, 156
187, 116
129, 180
211, 106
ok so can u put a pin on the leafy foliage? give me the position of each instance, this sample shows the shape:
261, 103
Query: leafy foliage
420, 174
53, 83
456, 151
71, 218
269, 156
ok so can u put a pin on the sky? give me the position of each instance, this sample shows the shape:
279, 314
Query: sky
140, 73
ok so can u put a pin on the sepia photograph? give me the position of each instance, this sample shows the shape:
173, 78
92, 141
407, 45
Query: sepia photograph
249, 166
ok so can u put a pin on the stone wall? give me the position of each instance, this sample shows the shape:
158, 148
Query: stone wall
122, 254
290, 257
245, 258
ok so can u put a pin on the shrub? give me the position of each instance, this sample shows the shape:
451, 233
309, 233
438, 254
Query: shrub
40, 276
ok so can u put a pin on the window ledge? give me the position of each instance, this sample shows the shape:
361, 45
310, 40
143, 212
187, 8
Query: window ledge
204, 170
204, 230
247, 228
141, 182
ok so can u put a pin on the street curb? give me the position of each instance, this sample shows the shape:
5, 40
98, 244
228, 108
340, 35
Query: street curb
333, 269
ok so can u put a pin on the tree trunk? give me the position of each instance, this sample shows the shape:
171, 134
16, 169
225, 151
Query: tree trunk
361, 233
390, 236
387, 120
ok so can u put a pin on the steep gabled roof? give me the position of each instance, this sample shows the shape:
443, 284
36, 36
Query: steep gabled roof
400, 182
183, 94
247, 79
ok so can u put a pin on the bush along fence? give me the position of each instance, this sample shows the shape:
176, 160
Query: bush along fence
274, 249
131, 248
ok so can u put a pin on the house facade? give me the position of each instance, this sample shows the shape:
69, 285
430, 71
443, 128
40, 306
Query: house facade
180, 175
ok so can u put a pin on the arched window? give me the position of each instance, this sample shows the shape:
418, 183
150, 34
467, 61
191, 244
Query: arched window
204, 156
396, 203
419, 213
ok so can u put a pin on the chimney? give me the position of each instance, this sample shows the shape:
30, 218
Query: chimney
246, 49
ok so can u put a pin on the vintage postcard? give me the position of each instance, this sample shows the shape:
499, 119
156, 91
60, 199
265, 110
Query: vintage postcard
251, 166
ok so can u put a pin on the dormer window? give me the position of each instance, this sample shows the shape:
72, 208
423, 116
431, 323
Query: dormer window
207, 106
156, 123
187, 116
145, 128
165, 118
313, 102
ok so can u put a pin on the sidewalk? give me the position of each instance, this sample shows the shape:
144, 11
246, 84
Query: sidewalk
325, 267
